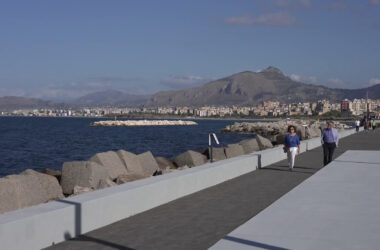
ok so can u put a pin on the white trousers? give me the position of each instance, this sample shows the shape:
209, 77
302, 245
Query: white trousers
292, 151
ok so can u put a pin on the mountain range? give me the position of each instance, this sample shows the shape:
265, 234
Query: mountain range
244, 88
8, 103
250, 88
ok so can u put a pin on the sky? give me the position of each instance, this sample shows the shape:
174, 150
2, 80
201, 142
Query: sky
60, 50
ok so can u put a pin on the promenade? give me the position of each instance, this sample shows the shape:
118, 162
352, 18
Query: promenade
200, 220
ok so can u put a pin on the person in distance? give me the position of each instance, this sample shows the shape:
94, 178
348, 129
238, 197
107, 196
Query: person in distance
292, 145
330, 139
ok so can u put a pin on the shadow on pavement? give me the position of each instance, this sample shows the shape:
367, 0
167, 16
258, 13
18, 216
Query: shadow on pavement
253, 243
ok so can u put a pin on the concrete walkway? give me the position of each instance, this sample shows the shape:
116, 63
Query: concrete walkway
337, 208
199, 220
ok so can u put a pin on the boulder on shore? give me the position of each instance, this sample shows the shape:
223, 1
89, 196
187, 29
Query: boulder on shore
111, 162
233, 150
148, 163
218, 154
190, 158
83, 174
27, 189
131, 161
280, 139
105, 183
164, 163
128, 178
249, 145
263, 142
81, 190
56, 173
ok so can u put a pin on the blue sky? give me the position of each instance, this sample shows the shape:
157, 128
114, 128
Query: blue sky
64, 49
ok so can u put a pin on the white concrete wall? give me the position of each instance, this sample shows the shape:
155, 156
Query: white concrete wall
40, 226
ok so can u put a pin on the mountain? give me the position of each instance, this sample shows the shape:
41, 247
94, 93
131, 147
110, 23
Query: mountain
250, 88
16, 102
111, 98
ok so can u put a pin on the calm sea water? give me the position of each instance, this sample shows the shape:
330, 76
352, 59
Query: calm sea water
38, 143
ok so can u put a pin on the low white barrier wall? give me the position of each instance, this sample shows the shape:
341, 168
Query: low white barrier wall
43, 225
270, 156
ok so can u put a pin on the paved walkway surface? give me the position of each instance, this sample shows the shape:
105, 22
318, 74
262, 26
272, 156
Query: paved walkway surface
337, 208
199, 220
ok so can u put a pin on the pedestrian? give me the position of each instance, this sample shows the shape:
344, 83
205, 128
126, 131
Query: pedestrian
366, 125
292, 145
330, 139
373, 125
357, 124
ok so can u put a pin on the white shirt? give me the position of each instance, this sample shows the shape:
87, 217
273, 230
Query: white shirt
357, 123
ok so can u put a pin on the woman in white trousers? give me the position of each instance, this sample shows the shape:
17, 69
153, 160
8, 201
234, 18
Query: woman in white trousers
292, 145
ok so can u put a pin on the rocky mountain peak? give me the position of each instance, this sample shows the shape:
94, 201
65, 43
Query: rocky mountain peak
272, 69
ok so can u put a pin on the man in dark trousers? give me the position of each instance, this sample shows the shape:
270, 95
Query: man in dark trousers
330, 139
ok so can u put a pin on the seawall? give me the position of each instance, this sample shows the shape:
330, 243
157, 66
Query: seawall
41, 226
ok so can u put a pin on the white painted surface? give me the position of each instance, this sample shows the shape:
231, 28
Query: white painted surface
336, 208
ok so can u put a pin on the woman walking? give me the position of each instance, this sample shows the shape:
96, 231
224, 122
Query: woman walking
292, 145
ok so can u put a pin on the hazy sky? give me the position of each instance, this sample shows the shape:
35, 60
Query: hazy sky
61, 49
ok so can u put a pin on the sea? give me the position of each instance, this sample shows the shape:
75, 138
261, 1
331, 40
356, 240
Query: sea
47, 142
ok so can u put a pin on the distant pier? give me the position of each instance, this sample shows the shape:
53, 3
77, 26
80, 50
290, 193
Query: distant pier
131, 123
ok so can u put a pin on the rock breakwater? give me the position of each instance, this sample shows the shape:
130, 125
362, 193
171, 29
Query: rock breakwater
129, 123
107, 169
276, 131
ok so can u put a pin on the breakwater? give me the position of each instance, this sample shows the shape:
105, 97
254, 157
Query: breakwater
132, 123
126, 200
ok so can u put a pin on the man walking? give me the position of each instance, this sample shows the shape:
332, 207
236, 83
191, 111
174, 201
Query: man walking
330, 139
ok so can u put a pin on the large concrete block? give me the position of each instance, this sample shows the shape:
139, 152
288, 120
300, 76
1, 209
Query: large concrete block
249, 145
131, 161
301, 132
83, 174
312, 132
111, 162
148, 163
50, 184
280, 139
164, 163
128, 178
264, 143
27, 189
218, 154
190, 158
233, 150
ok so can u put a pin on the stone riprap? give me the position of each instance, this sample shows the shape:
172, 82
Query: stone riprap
103, 170
27, 189
218, 154
263, 142
233, 150
249, 145
148, 163
165, 163
143, 123
111, 162
306, 129
82, 173
190, 158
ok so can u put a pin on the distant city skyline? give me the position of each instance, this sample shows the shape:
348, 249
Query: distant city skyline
59, 50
